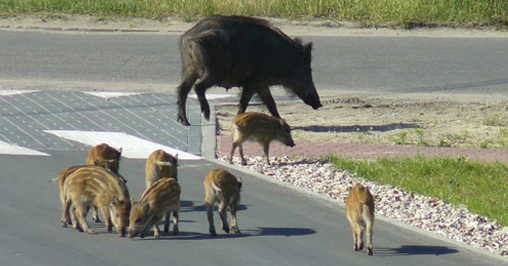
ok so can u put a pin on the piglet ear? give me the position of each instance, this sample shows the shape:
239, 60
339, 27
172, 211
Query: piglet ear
146, 208
176, 156
115, 201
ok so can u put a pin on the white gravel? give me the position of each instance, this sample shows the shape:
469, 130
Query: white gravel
430, 214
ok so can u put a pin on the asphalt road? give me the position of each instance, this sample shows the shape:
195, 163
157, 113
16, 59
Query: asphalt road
343, 63
279, 226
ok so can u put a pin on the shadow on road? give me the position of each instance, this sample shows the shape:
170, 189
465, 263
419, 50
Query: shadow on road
407, 250
190, 206
357, 128
282, 231
261, 231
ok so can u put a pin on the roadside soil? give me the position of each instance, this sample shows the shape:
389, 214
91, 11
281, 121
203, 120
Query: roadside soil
463, 122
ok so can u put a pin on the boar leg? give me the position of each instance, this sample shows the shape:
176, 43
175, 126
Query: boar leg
183, 91
240, 151
166, 221
200, 89
156, 230
369, 236
81, 212
266, 96
95, 216
266, 148
234, 223
209, 214
224, 216
66, 205
176, 228
238, 139
107, 218
247, 94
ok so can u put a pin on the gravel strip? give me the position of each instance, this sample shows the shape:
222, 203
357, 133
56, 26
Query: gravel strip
430, 214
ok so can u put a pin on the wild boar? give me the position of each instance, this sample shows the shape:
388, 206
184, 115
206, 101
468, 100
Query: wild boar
250, 53
95, 186
162, 197
360, 213
223, 188
260, 128
105, 156
61, 180
160, 164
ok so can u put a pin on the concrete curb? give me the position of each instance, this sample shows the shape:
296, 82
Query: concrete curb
209, 143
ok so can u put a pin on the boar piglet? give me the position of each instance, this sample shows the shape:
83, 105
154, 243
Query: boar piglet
260, 128
223, 188
105, 156
161, 198
160, 164
360, 213
93, 186
250, 53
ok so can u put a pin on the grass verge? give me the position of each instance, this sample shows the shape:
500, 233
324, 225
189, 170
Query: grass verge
403, 13
480, 187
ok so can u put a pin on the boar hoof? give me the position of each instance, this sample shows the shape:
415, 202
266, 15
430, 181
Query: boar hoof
213, 233
360, 247
225, 229
369, 251
244, 163
176, 231
64, 223
182, 119
90, 231
236, 230
156, 236
96, 219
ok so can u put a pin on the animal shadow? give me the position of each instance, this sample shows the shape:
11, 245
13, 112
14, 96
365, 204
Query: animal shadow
409, 250
190, 206
282, 231
357, 128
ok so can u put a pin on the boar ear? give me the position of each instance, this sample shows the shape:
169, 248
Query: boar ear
146, 208
176, 156
119, 151
115, 201
281, 123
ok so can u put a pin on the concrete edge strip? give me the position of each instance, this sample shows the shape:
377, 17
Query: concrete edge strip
208, 153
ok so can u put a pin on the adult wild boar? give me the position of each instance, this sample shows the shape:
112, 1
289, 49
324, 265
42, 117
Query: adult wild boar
235, 51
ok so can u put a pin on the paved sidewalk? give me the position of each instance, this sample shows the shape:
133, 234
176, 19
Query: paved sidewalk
363, 151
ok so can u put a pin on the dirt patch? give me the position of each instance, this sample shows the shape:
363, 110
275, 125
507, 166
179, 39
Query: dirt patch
467, 122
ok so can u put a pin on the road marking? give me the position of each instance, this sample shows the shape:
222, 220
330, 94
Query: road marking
10, 149
110, 94
132, 146
14, 92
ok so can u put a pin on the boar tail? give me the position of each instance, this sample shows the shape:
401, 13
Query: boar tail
163, 163
216, 188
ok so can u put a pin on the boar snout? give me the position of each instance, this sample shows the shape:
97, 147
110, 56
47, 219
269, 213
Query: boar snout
291, 143
122, 232
313, 101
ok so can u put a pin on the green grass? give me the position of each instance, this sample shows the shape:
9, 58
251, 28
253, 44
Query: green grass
482, 188
403, 13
